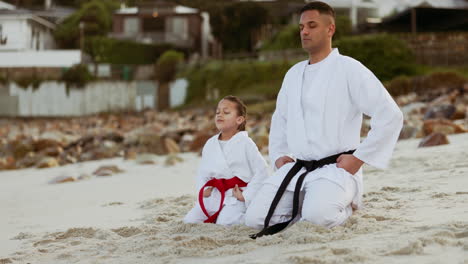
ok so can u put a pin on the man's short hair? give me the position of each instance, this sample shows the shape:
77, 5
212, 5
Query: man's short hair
321, 7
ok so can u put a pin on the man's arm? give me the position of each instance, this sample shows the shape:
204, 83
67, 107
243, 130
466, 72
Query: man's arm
371, 97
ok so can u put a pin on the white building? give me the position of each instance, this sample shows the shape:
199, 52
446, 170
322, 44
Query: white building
359, 11
26, 40
20, 30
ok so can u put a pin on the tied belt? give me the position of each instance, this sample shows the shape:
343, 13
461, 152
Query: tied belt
309, 166
222, 185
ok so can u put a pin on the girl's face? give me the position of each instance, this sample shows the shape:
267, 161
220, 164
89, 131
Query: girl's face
227, 118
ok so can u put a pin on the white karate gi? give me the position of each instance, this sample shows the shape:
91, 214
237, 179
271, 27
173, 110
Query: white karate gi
319, 116
240, 158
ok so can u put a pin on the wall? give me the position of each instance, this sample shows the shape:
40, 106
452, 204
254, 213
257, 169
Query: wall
439, 49
54, 99
49, 58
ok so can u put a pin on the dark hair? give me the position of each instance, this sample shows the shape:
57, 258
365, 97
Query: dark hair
241, 109
321, 7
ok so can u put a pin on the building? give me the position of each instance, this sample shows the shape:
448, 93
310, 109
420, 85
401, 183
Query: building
428, 16
359, 11
27, 40
161, 22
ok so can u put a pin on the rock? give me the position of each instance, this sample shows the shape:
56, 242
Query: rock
171, 146
62, 179
460, 112
413, 108
84, 176
47, 162
408, 131
8, 163
172, 159
107, 170
21, 148
52, 151
441, 126
434, 139
199, 141
150, 143
146, 159
130, 154
113, 136
186, 141
42, 144
30, 160
445, 111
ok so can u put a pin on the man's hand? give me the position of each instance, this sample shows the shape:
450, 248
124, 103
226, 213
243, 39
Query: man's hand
207, 192
283, 160
349, 163
237, 192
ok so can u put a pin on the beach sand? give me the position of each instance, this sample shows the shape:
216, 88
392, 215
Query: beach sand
415, 212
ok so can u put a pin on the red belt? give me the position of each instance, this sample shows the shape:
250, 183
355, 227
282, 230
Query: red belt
222, 185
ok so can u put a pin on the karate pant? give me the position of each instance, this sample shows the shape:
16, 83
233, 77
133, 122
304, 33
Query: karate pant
232, 213
322, 202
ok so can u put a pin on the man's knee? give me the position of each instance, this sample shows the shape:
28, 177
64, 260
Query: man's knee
254, 219
327, 216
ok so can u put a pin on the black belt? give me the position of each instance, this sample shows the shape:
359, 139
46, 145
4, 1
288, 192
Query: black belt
310, 166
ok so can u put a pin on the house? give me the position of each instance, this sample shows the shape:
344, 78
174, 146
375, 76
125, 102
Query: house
428, 16
22, 30
161, 22
27, 41
358, 11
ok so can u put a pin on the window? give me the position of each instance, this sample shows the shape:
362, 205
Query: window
131, 25
179, 27
153, 24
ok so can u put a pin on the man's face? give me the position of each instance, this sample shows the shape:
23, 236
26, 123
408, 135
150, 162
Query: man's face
316, 30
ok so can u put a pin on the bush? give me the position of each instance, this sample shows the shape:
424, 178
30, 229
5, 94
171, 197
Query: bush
166, 66
77, 76
343, 27
234, 77
385, 55
107, 50
399, 86
287, 38
97, 18
434, 82
26, 81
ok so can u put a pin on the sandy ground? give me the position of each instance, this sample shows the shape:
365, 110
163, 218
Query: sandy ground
416, 212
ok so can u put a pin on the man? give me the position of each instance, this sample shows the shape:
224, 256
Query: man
315, 133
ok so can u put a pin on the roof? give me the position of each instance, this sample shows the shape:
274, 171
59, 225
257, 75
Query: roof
25, 14
7, 6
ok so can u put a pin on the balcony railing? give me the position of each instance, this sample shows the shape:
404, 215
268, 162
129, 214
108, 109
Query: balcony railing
156, 38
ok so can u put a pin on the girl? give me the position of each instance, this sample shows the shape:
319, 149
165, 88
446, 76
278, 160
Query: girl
230, 161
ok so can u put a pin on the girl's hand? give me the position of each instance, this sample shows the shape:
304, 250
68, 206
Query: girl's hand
207, 192
237, 192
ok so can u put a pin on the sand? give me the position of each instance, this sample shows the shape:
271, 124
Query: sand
416, 212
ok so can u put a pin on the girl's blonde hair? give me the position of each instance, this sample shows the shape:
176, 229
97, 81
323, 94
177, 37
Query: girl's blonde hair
241, 109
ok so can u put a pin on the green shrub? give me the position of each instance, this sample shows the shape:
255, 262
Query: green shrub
96, 16
26, 81
242, 78
3, 79
287, 38
399, 85
423, 84
385, 55
166, 66
343, 27
107, 50
77, 76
